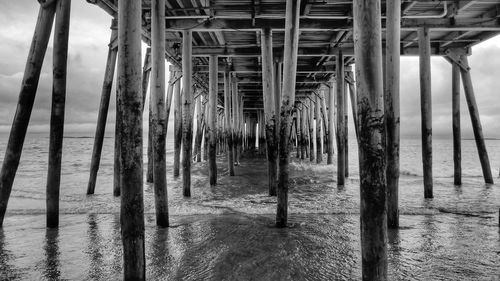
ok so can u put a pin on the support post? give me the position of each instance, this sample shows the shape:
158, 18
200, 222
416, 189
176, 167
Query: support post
103, 110
178, 126
340, 120
319, 140
61, 36
392, 111
368, 55
158, 113
287, 105
424, 45
457, 141
236, 139
130, 111
227, 121
187, 119
331, 118
117, 151
25, 104
346, 131
311, 130
476, 122
199, 128
268, 91
212, 120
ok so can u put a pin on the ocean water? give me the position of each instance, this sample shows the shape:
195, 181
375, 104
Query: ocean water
226, 232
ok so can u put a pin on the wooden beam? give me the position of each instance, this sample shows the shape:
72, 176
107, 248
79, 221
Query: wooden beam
340, 120
130, 138
476, 123
212, 121
238, 25
287, 105
426, 108
392, 109
158, 112
60, 54
457, 141
187, 119
109, 73
371, 139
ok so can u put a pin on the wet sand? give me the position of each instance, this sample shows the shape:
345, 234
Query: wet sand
227, 232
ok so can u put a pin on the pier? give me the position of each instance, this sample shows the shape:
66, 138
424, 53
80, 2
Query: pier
272, 79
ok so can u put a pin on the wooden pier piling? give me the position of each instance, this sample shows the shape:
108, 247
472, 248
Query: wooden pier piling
212, 120
270, 116
319, 139
131, 174
187, 115
178, 92
109, 73
27, 94
457, 140
60, 59
227, 121
372, 163
158, 112
311, 129
392, 109
476, 122
340, 120
287, 105
424, 45
331, 120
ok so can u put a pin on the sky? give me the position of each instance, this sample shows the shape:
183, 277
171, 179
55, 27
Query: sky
89, 37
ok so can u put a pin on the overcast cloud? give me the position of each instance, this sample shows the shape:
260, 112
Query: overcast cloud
89, 36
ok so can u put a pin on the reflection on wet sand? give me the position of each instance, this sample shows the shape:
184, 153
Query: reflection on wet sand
52, 270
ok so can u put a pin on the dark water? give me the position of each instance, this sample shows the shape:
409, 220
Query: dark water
226, 232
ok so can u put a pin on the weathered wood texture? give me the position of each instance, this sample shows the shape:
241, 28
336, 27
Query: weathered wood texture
457, 141
130, 111
340, 121
60, 59
187, 119
146, 75
109, 73
158, 112
212, 121
200, 109
287, 105
268, 92
426, 108
392, 109
319, 140
178, 93
476, 122
372, 162
310, 123
27, 94
331, 121
228, 132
